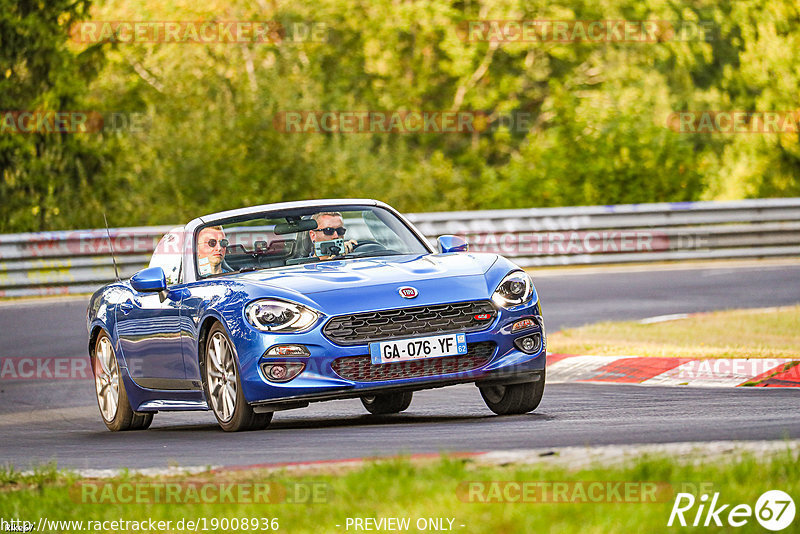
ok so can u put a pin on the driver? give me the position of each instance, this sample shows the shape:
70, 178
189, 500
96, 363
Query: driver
330, 226
211, 245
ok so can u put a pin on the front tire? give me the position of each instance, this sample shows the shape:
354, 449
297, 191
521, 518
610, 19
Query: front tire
112, 399
386, 403
223, 386
513, 399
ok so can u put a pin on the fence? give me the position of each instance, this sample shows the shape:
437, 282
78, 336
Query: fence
79, 261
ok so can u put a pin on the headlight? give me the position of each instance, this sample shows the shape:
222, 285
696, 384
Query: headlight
270, 315
515, 289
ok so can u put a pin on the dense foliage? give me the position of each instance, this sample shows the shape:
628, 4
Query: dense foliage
598, 132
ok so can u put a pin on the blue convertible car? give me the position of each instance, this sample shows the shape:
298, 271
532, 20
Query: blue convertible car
268, 308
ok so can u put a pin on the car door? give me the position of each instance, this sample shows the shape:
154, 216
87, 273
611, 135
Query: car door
149, 327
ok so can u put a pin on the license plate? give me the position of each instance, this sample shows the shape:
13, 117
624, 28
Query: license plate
419, 347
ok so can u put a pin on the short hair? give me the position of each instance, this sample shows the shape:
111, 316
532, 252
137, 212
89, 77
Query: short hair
317, 216
216, 227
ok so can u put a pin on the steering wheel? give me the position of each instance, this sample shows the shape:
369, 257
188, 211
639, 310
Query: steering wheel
367, 245
367, 242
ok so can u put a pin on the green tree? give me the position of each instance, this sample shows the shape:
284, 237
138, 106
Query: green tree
597, 130
45, 176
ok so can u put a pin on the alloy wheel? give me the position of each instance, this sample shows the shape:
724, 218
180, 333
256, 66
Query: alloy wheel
221, 375
106, 379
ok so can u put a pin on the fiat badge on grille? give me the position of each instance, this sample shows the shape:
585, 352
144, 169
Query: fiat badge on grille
408, 292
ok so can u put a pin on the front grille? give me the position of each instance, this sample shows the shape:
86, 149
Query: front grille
361, 368
360, 328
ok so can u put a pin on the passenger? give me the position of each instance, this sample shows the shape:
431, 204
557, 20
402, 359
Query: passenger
211, 246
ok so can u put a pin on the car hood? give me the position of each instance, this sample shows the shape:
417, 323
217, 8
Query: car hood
358, 273
374, 282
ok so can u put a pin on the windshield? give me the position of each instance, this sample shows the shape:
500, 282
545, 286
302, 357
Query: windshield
293, 237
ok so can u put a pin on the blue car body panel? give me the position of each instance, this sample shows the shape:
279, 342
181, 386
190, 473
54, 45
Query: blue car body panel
157, 337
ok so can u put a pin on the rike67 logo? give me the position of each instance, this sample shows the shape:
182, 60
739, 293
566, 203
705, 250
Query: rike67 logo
774, 510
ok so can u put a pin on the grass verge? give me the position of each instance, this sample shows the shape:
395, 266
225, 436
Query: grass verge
446, 489
752, 333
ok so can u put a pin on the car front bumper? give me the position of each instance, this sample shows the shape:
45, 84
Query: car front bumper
319, 381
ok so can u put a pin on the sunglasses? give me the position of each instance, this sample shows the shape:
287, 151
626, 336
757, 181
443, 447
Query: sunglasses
330, 231
213, 243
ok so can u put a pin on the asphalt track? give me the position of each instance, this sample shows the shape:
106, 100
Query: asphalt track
44, 420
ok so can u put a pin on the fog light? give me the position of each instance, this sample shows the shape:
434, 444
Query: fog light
522, 324
288, 350
529, 344
282, 371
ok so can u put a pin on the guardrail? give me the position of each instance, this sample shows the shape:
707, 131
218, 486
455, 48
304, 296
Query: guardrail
48, 263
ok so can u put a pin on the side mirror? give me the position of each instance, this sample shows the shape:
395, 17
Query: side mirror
452, 243
150, 280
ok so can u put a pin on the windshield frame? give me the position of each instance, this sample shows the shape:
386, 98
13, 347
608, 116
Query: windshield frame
300, 210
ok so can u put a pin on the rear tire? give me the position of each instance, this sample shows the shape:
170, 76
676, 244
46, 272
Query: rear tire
112, 399
223, 386
513, 399
386, 403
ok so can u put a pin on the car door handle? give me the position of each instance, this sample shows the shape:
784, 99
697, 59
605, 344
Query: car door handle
126, 307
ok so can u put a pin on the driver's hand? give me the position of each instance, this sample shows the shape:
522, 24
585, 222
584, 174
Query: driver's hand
349, 245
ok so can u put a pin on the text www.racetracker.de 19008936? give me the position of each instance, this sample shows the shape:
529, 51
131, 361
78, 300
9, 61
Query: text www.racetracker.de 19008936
197, 524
